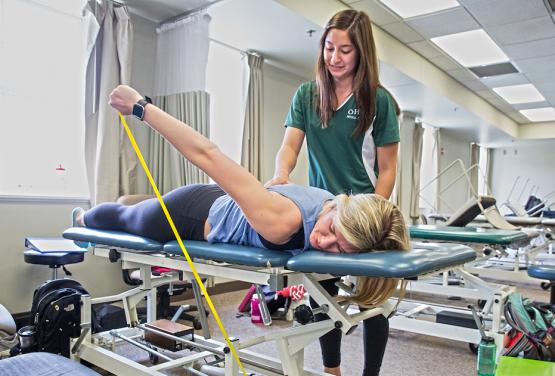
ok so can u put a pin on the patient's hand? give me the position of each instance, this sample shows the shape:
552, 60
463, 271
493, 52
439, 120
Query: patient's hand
123, 98
133, 199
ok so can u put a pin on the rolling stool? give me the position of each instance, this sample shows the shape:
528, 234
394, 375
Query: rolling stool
54, 260
544, 272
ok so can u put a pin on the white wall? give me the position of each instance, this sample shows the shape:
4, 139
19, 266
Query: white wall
533, 161
279, 88
43, 219
49, 218
451, 149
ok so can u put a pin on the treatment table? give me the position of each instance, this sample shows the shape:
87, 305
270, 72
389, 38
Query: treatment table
505, 253
259, 266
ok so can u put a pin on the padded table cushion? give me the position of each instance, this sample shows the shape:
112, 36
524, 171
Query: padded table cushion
43, 364
52, 259
542, 272
422, 258
112, 238
466, 234
235, 254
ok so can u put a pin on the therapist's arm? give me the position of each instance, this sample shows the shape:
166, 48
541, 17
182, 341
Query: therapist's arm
286, 158
387, 167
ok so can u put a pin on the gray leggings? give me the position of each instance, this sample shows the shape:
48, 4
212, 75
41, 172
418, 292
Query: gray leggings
188, 207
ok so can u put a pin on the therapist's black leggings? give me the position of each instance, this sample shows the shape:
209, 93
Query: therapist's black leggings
188, 207
375, 334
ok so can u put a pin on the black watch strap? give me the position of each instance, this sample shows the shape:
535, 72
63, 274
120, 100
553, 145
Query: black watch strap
139, 107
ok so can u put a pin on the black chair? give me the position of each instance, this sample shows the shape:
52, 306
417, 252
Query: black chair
53, 260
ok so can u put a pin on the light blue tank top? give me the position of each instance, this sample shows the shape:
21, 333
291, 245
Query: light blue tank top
229, 225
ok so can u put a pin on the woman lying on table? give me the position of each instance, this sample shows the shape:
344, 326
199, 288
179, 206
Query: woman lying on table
240, 210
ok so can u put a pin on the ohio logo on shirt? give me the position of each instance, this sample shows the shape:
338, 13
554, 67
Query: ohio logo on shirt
352, 113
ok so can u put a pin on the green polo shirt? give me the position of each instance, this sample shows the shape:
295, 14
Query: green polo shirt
339, 162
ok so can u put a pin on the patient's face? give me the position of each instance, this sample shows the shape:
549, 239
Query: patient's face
326, 237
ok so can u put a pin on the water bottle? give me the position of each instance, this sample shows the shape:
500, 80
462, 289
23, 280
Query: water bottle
256, 316
487, 354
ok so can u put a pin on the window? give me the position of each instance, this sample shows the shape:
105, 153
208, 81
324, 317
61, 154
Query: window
225, 83
41, 89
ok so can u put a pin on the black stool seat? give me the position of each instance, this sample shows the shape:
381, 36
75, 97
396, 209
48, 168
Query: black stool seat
53, 259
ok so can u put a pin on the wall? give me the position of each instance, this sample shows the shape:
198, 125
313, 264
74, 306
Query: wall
50, 217
532, 162
279, 88
452, 197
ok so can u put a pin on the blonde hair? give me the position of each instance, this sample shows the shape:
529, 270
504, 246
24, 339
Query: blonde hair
371, 223
366, 76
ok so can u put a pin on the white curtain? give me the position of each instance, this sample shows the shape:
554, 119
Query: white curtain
108, 53
251, 157
474, 165
180, 78
169, 168
182, 56
417, 142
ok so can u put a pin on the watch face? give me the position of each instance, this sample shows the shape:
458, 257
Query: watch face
138, 111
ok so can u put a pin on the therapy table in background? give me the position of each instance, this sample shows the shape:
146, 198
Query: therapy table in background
505, 253
259, 266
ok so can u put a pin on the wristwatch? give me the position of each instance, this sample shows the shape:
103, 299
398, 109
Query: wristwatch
139, 107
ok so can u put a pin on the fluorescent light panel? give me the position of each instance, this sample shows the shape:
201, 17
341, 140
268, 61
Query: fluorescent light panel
539, 114
514, 94
471, 48
412, 8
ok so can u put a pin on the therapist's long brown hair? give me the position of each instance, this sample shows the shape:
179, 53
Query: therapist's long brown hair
366, 77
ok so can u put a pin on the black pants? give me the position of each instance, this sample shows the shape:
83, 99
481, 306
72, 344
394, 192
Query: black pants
375, 334
188, 206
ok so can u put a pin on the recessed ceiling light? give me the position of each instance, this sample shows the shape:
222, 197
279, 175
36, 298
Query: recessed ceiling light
411, 8
514, 94
471, 48
539, 114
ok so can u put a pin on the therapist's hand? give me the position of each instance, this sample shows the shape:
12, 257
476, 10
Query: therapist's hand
277, 180
123, 98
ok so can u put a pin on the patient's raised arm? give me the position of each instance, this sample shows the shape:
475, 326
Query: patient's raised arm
265, 211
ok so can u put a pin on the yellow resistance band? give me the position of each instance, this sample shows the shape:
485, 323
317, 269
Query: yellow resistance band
178, 237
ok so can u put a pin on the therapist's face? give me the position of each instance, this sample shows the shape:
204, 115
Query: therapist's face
340, 55
326, 237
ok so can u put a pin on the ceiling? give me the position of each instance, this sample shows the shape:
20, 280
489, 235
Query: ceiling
524, 29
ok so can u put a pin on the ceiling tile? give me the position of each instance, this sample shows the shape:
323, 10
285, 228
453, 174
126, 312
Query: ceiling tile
543, 86
500, 12
505, 80
462, 75
524, 106
526, 50
538, 64
486, 94
549, 96
379, 14
523, 31
445, 63
447, 22
541, 77
403, 32
426, 49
